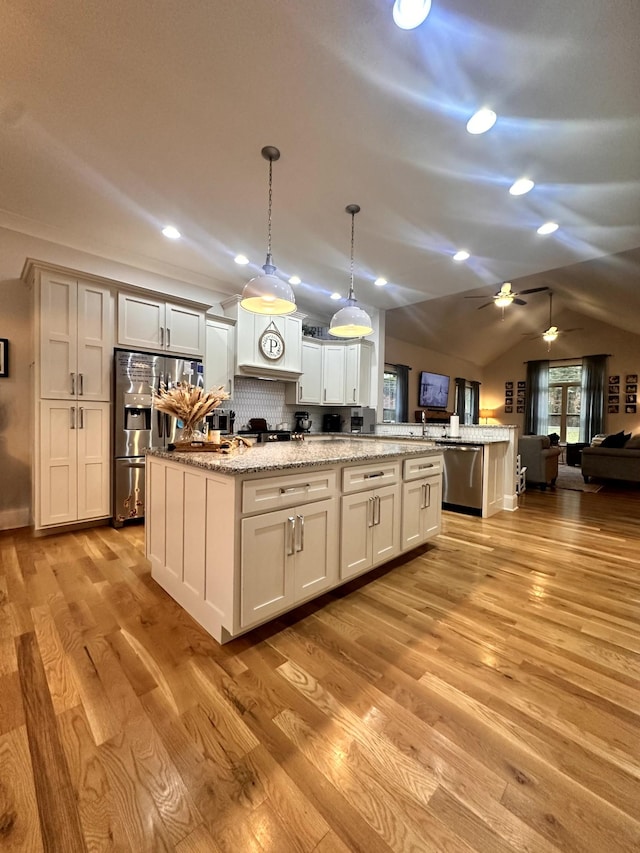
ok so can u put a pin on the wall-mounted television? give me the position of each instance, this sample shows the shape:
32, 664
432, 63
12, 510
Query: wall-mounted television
434, 390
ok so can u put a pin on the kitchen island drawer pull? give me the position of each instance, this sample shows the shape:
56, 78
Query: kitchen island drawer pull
422, 467
371, 476
286, 491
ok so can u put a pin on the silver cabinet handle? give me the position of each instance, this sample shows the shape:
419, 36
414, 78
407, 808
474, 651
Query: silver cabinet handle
325, 395
300, 392
229, 381
72, 415
370, 521
284, 491
168, 336
81, 384
73, 384
292, 535
427, 495
301, 520
354, 395
422, 467
377, 509
161, 336
371, 476
81, 420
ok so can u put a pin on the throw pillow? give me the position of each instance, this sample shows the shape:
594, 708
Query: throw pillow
618, 439
633, 443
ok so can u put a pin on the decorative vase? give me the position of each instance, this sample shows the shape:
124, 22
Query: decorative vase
186, 433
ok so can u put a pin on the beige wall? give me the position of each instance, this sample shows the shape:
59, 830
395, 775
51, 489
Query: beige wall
422, 358
590, 338
16, 419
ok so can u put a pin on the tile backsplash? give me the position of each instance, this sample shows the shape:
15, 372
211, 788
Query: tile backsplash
262, 398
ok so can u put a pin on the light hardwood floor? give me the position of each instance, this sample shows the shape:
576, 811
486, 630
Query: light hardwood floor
482, 695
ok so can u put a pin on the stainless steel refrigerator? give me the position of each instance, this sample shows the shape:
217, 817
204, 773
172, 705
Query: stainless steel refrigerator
138, 425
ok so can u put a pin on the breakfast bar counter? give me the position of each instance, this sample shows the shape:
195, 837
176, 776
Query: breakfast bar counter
239, 539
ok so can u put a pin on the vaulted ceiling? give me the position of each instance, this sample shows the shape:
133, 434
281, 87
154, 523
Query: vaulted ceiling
118, 118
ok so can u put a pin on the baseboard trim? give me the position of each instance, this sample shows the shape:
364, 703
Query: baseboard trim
12, 518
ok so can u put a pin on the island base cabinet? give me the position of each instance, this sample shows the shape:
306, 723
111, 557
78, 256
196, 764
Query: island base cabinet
370, 529
287, 557
421, 511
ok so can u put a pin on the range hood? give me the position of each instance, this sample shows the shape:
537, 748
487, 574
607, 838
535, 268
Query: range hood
264, 372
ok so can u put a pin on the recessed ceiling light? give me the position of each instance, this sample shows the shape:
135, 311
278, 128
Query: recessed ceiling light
521, 186
548, 228
482, 121
171, 232
336, 296
380, 282
295, 279
462, 255
409, 14
241, 259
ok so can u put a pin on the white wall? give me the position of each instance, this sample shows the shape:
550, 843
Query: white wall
590, 338
16, 420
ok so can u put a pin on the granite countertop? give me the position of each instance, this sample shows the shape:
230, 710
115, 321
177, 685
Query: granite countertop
283, 455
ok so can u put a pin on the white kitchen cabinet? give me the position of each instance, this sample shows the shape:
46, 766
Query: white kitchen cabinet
370, 529
155, 324
333, 374
250, 359
74, 462
219, 355
76, 339
310, 383
358, 373
287, 556
421, 511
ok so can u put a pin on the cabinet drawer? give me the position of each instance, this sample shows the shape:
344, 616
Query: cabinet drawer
270, 493
370, 476
422, 466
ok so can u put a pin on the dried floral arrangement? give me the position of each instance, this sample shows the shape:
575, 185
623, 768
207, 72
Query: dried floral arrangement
189, 403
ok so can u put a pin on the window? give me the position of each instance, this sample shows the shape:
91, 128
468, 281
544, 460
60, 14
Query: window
389, 394
564, 401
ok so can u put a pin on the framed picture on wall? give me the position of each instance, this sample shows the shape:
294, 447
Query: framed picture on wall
630, 410
632, 398
614, 380
614, 389
522, 384
631, 389
520, 410
508, 392
508, 385
521, 393
614, 398
613, 409
4, 357
508, 410
632, 377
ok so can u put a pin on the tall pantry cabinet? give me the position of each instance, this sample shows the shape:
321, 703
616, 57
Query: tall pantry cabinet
72, 378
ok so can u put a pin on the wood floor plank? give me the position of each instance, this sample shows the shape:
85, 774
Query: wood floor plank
19, 823
57, 805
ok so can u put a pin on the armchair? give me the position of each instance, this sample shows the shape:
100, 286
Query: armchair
540, 459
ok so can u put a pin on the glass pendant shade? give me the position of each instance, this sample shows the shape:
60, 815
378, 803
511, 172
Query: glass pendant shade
351, 321
266, 293
551, 334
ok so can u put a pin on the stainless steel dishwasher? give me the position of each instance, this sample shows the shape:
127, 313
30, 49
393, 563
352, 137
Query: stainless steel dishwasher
462, 481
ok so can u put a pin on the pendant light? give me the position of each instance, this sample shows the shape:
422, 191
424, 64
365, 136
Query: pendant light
351, 321
266, 293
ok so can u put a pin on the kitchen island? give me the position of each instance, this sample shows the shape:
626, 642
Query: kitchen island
239, 539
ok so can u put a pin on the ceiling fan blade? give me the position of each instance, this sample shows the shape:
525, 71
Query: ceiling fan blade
575, 329
533, 290
475, 297
519, 301
486, 304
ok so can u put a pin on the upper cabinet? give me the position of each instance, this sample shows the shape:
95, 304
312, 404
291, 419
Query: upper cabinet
266, 346
334, 373
76, 338
220, 353
358, 373
154, 324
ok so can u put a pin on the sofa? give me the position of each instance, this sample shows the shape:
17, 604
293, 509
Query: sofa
540, 459
614, 457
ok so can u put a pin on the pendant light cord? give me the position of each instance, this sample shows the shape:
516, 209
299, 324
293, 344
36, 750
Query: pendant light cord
353, 229
269, 215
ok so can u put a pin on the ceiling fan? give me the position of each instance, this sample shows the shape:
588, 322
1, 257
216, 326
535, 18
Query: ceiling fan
551, 333
505, 296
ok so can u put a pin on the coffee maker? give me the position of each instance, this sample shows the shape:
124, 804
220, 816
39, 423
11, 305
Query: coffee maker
331, 422
303, 424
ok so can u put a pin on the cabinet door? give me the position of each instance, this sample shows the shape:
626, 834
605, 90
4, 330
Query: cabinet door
95, 342
316, 544
386, 530
293, 344
352, 374
266, 565
333, 361
356, 544
432, 512
412, 512
58, 462
58, 337
94, 460
310, 383
218, 364
185, 330
140, 322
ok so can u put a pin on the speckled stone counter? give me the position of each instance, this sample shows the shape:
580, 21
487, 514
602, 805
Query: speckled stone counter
284, 455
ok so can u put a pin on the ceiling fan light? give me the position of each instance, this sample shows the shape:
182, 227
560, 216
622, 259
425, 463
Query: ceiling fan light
462, 255
409, 14
504, 299
550, 335
481, 121
548, 228
522, 186
350, 322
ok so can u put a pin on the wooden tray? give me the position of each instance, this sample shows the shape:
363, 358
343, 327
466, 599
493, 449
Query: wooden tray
233, 443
